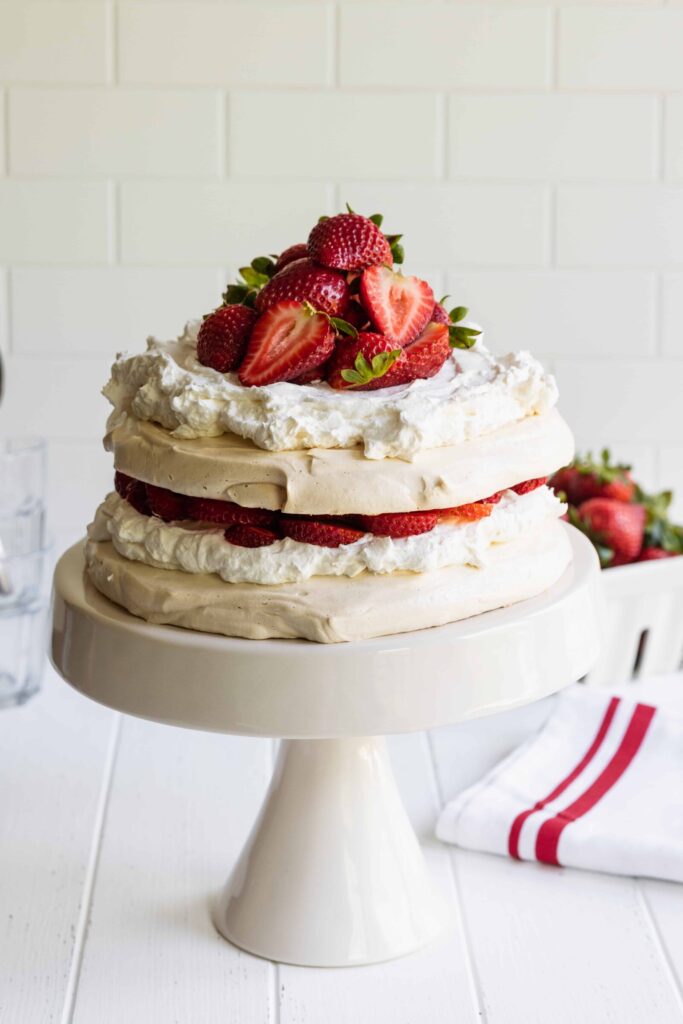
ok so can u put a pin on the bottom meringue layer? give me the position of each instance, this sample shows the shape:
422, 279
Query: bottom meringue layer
333, 609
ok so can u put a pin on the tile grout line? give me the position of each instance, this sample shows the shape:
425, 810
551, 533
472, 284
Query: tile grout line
83, 923
659, 942
475, 981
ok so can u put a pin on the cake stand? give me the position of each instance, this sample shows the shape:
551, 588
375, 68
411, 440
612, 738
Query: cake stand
332, 873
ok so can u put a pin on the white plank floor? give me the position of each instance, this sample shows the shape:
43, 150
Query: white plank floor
115, 833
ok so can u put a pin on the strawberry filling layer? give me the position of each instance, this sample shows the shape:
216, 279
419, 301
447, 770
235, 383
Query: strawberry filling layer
256, 527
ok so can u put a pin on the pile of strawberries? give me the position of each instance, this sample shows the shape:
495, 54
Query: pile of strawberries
624, 523
258, 527
332, 308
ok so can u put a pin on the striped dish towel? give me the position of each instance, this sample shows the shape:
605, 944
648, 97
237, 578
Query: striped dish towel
599, 787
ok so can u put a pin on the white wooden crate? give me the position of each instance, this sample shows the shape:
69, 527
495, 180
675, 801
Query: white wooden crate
643, 622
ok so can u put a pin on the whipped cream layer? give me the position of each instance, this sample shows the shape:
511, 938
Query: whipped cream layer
200, 549
473, 394
334, 609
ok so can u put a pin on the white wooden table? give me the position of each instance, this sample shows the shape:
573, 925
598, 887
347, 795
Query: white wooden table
114, 832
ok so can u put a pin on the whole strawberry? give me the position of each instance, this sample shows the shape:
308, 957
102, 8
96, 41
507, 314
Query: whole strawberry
294, 252
568, 482
223, 336
362, 362
349, 242
654, 554
615, 527
304, 281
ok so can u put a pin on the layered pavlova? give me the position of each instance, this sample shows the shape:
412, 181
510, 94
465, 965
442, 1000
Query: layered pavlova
330, 454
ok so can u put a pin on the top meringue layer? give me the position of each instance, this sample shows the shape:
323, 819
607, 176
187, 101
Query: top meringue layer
473, 394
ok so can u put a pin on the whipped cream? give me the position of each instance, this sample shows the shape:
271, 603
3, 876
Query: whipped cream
197, 548
473, 394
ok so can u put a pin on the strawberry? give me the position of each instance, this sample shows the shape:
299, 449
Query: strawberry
653, 554
245, 536
616, 528
122, 483
311, 376
568, 482
349, 242
137, 497
227, 513
357, 316
223, 335
288, 339
422, 358
294, 252
303, 280
324, 533
400, 524
362, 362
440, 314
472, 511
399, 307
165, 504
529, 485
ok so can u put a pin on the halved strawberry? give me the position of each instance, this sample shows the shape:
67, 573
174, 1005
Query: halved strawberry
529, 485
399, 307
362, 362
303, 280
349, 242
250, 536
137, 497
165, 504
294, 252
288, 339
122, 483
471, 511
227, 513
223, 335
400, 524
422, 358
324, 533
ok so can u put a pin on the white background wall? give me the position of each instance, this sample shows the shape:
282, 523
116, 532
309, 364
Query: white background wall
532, 154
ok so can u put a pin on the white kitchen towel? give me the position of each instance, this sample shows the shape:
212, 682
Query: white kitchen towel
599, 787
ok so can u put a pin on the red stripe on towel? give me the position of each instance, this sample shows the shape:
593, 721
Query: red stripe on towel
548, 837
518, 823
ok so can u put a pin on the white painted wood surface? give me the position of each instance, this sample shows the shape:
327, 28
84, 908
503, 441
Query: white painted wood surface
115, 833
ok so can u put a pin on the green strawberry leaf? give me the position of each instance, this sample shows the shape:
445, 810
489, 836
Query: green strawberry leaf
366, 372
462, 337
263, 265
253, 278
343, 326
457, 314
398, 252
238, 295
377, 219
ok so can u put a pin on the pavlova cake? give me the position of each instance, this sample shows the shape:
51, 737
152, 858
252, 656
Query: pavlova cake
330, 455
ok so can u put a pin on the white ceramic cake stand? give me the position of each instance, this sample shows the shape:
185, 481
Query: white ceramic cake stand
332, 873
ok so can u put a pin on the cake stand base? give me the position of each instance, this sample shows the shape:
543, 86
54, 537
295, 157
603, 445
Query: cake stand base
332, 873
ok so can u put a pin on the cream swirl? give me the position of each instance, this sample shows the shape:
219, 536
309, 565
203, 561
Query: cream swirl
197, 548
473, 394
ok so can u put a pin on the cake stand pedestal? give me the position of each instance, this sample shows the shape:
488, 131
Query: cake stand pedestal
332, 873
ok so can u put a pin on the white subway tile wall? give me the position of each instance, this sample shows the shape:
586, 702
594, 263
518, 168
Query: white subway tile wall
531, 152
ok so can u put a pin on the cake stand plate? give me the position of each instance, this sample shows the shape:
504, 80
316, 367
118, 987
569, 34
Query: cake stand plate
332, 873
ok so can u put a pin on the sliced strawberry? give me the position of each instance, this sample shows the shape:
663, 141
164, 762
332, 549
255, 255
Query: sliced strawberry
222, 338
400, 524
400, 307
294, 252
227, 513
422, 358
324, 533
472, 511
288, 339
529, 485
122, 483
349, 242
165, 504
304, 281
250, 536
137, 497
362, 362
